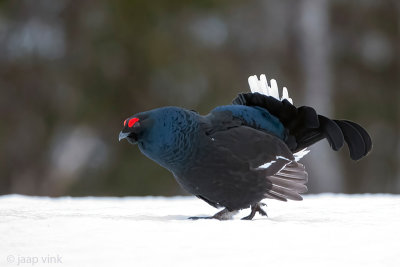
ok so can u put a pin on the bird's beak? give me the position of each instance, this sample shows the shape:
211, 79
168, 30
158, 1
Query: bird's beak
122, 136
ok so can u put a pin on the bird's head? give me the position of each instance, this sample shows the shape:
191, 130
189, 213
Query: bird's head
157, 127
133, 128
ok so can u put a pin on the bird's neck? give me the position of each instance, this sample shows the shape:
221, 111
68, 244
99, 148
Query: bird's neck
172, 142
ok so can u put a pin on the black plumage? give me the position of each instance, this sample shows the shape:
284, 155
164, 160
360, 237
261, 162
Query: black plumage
240, 154
306, 127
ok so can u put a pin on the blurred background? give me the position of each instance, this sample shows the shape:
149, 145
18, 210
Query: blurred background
72, 71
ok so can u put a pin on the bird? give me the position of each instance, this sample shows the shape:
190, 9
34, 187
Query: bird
240, 154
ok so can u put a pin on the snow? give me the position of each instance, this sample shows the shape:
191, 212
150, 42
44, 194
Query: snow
322, 230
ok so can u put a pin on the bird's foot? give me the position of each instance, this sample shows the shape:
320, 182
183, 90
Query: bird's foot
256, 208
222, 215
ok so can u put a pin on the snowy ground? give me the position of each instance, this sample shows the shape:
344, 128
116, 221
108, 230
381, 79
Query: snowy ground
322, 230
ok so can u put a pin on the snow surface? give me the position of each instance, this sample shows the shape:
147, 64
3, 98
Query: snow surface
322, 230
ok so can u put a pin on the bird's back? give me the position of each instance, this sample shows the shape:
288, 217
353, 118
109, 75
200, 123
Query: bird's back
252, 116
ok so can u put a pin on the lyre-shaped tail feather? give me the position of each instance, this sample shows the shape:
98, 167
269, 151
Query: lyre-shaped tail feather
305, 127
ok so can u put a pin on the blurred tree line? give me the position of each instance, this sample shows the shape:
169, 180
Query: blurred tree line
72, 71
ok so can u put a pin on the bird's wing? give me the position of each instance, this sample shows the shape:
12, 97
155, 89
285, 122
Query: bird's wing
257, 148
241, 166
268, 154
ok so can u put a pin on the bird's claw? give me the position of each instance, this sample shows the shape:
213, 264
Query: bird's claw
262, 212
256, 208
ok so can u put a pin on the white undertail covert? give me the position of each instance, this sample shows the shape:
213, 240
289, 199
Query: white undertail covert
261, 86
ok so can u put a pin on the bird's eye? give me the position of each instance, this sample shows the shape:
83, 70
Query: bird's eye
132, 122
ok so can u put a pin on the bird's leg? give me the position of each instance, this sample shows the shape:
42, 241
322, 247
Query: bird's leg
252, 213
222, 215
256, 208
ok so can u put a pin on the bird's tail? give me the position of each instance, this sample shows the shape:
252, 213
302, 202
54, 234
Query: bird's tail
304, 126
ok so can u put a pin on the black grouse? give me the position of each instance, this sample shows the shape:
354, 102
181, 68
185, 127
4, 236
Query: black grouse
240, 154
